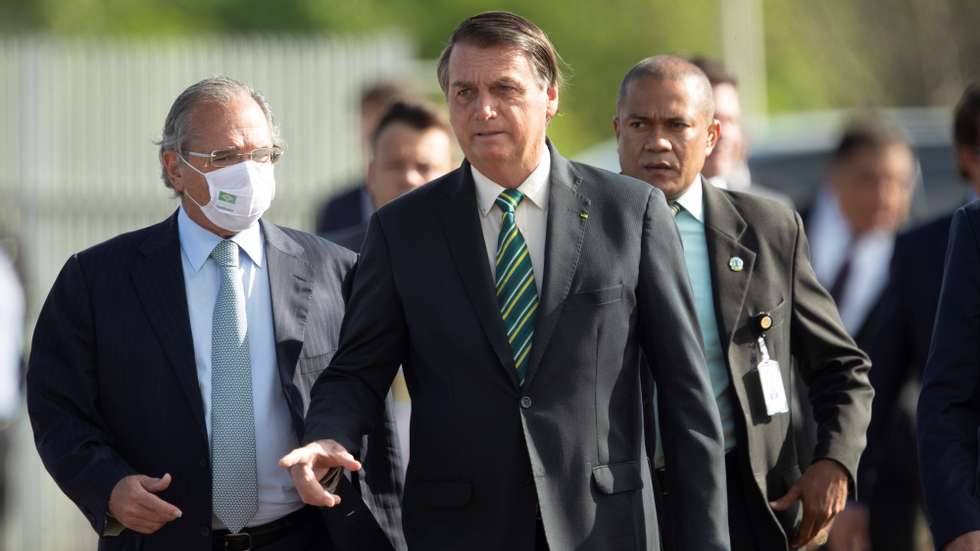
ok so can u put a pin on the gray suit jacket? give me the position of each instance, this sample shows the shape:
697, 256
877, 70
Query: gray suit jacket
112, 385
806, 338
488, 452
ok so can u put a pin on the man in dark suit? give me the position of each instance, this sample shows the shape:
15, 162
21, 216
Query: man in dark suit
757, 300
352, 205
519, 294
172, 365
411, 145
891, 489
949, 405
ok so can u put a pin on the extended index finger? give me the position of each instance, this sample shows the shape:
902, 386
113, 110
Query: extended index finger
156, 508
309, 488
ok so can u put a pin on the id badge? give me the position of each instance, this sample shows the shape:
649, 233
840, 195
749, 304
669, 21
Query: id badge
772, 382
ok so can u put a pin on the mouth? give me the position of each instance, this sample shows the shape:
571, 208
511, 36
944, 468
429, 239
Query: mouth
488, 134
659, 167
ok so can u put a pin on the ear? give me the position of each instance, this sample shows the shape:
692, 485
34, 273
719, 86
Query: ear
172, 166
616, 126
969, 161
714, 132
552, 92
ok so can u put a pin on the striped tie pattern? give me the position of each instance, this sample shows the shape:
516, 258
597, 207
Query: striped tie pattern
234, 483
517, 294
675, 207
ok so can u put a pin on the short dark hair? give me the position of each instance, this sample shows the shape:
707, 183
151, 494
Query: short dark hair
668, 67
380, 93
966, 119
500, 28
715, 70
414, 114
867, 132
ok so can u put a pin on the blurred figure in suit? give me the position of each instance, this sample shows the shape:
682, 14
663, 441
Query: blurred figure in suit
889, 485
727, 167
352, 205
411, 145
12, 312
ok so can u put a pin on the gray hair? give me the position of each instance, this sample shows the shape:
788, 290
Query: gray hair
214, 90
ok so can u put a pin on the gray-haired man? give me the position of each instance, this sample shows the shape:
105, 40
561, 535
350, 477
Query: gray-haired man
171, 366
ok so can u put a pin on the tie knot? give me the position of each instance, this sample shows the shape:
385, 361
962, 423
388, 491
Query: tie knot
675, 207
225, 253
509, 199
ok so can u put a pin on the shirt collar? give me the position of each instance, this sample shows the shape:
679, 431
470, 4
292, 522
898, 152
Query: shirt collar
534, 188
197, 242
693, 199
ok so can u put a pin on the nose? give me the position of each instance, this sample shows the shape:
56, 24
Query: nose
486, 107
657, 141
414, 178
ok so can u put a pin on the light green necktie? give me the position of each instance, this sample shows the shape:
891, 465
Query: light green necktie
517, 294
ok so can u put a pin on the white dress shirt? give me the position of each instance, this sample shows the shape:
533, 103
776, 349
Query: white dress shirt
531, 215
274, 435
871, 253
11, 338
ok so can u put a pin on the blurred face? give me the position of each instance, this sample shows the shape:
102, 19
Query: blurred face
874, 186
664, 133
969, 157
731, 149
404, 159
238, 125
499, 110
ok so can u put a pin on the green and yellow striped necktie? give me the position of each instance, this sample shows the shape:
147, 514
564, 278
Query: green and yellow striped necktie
517, 294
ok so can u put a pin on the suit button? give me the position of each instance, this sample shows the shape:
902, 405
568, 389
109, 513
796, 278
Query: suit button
526, 402
205, 531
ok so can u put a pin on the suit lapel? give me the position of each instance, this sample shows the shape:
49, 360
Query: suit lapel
567, 220
290, 289
464, 234
724, 228
158, 277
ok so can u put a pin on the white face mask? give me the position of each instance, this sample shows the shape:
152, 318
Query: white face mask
240, 193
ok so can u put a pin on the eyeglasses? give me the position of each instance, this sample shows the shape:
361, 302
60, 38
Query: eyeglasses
228, 157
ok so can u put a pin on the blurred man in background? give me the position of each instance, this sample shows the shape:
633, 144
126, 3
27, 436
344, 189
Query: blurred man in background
411, 145
171, 366
727, 167
352, 205
889, 487
855, 217
748, 256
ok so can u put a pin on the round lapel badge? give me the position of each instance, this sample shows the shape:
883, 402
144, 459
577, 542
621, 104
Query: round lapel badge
736, 264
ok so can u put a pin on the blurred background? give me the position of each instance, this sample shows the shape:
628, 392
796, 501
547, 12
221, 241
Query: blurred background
85, 86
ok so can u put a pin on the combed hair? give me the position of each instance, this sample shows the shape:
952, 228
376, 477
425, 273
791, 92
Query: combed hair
500, 28
214, 90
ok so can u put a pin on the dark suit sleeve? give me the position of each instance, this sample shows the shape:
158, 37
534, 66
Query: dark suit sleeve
949, 406
62, 399
833, 367
689, 418
347, 400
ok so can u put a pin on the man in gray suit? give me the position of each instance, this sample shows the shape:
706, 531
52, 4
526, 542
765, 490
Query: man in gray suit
764, 318
521, 293
172, 365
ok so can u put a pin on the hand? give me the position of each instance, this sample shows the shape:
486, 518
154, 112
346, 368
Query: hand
309, 464
823, 489
133, 504
969, 541
851, 530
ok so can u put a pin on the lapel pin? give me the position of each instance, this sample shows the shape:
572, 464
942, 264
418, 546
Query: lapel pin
736, 264
583, 215
765, 321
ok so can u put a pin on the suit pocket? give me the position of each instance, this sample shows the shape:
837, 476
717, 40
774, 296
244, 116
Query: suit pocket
617, 477
440, 494
598, 297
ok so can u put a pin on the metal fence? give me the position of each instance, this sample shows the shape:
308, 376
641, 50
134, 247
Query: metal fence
78, 118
